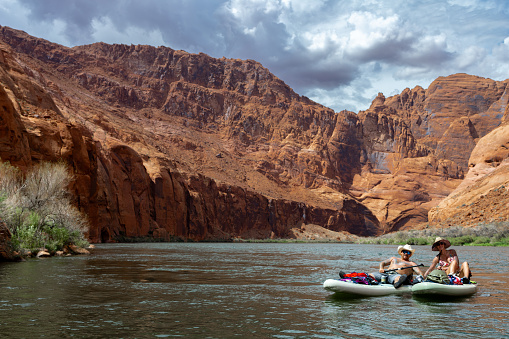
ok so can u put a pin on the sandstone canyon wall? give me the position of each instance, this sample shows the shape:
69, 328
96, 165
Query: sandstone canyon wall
144, 150
483, 197
170, 144
440, 128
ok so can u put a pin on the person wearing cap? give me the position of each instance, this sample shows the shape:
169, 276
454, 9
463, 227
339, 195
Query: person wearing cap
400, 275
447, 260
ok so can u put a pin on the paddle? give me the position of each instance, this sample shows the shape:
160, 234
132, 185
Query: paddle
402, 268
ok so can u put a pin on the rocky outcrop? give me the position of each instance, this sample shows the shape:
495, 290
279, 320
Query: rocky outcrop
143, 127
453, 113
483, 196
418, 143
170, 205
13, 143
6, 252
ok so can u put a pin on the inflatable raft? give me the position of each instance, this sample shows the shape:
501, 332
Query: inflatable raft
431, 288
350, 287
421, 289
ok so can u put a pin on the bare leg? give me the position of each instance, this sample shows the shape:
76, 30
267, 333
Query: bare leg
465, 270
453, 268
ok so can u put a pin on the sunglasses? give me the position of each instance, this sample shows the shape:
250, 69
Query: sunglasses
406, 252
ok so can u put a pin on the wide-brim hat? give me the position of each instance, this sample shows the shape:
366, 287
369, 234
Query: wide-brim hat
405, 248
447, 243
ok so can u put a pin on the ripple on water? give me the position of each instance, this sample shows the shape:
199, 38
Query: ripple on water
251, 290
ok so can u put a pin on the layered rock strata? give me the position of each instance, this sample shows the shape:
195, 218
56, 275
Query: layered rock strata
170, 144
147, 164
483, 197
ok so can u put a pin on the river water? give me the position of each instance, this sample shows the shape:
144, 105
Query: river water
226, 290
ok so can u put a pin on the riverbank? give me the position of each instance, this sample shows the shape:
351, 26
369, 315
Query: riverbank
493, 234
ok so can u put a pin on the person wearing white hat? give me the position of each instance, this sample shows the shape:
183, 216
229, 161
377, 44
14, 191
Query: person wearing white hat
447, 260
399, 268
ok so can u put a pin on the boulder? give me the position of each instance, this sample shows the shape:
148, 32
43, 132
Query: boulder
43, 254
73, 249
6, 251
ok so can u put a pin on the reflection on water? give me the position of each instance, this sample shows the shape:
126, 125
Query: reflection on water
227, 290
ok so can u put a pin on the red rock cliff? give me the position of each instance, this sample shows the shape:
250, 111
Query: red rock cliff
170, 144
166, 143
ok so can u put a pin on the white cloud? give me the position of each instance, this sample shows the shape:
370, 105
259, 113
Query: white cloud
250, 31
11, 7
104, 30
303, 7
16, 15
251, 12
340, 53
501, 51
464, 3
471, 56
475, 4
322, 40
496, 64
371, 30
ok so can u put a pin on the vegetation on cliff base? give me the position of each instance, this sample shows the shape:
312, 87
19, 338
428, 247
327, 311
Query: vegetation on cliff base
490, 234
37, 208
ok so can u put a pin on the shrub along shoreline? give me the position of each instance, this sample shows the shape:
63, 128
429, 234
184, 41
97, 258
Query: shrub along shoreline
490, 234
37, 209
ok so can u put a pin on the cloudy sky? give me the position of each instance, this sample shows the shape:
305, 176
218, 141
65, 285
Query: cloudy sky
339, 53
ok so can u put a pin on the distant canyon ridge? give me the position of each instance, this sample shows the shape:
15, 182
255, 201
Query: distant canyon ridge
173, 145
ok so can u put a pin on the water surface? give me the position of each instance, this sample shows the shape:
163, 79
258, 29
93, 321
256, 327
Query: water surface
217, 290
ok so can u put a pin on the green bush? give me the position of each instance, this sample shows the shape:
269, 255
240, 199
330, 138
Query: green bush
462, 240
28, 238
481, 240
56, 238
417, 241
501, 242
38, 208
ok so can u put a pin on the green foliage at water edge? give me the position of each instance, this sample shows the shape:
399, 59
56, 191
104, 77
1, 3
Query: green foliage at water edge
37, 208
491, 234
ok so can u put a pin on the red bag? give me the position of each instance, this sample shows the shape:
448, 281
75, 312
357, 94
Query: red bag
355, 275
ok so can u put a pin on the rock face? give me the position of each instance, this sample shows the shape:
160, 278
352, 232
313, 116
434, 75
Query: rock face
170, 144
6, 253
421, 141
141, 128
484, 194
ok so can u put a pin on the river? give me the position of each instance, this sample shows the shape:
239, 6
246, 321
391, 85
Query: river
227, 290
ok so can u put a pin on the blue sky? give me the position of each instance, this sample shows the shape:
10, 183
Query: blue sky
338, 53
